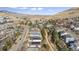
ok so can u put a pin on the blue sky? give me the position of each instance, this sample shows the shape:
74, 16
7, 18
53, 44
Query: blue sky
35, 10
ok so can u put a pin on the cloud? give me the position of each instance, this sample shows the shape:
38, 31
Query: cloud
22, 8
13, 7
19, 7
50, 10
33, 9
40, 8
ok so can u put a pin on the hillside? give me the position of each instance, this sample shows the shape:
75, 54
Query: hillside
72, 12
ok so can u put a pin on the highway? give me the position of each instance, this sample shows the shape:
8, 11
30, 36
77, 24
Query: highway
34, 37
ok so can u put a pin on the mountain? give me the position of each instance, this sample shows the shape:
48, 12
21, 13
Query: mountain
72, 12
5, 11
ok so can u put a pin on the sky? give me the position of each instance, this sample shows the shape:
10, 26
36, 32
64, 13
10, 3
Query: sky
35, 10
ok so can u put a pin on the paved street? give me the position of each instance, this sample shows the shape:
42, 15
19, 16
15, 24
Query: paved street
34, 37
19, 42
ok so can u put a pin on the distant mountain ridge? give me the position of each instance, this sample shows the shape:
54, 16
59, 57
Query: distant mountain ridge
6, 11
72, 12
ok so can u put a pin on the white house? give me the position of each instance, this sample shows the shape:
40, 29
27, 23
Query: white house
76, 28
2, 20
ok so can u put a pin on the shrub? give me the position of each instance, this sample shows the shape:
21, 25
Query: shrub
4, 48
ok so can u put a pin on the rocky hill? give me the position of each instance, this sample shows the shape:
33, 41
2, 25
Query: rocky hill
72, 12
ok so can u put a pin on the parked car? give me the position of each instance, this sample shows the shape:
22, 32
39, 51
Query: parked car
77, 48
72, 46
67, 38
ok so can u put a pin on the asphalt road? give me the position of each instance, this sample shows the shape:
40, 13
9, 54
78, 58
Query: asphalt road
32, 33
19, 42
